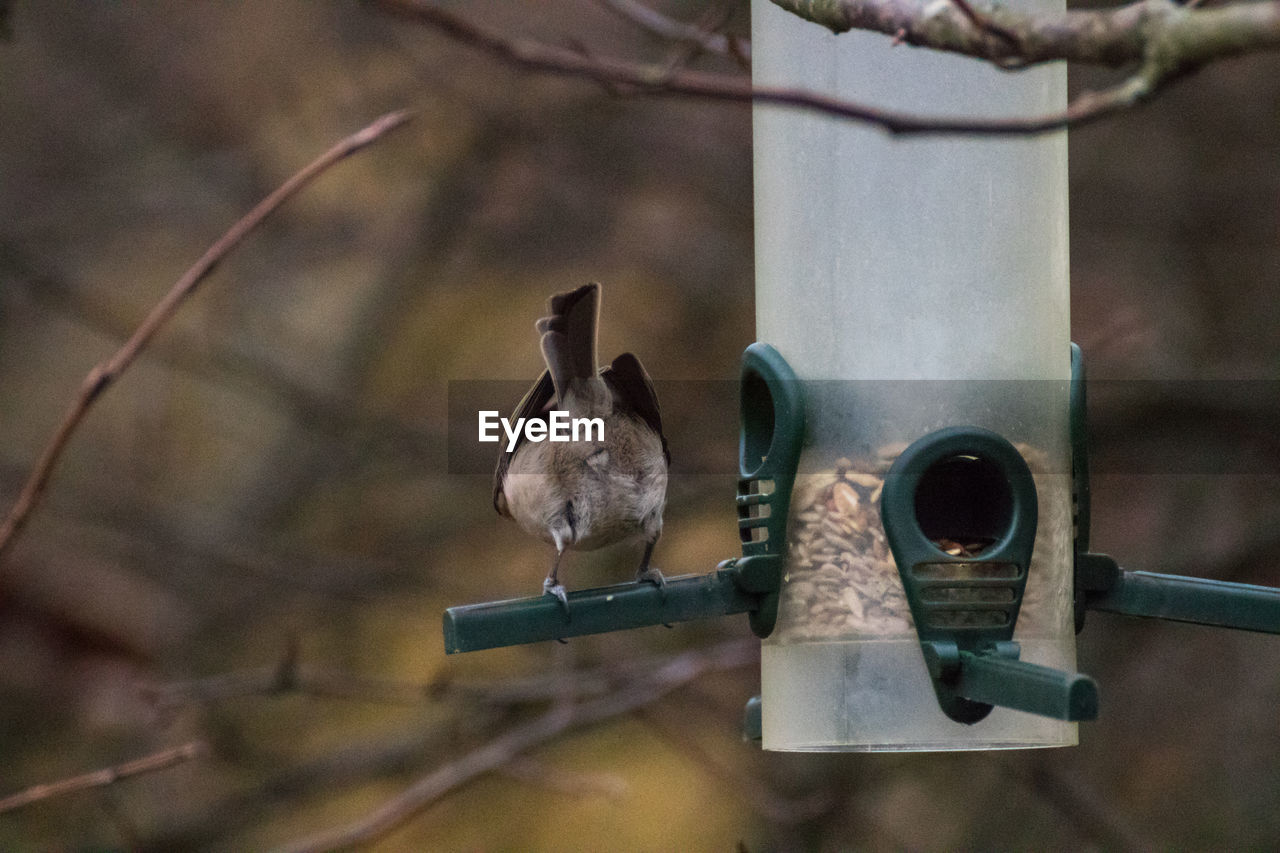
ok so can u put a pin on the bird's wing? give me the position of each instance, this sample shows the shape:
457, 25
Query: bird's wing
534, 405
633, 393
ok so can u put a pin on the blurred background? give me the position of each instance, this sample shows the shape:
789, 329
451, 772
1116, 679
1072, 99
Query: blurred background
268, 491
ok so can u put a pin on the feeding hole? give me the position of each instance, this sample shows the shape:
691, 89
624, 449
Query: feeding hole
964, 505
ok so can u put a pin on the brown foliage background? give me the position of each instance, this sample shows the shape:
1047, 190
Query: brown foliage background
274, 471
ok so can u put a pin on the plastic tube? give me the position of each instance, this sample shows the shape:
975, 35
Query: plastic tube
912, 284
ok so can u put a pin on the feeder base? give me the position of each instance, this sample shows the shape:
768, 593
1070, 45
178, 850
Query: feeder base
876, 696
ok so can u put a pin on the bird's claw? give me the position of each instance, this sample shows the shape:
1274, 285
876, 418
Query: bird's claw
654, 577
556, 590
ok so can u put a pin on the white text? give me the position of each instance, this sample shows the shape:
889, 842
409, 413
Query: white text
557, 427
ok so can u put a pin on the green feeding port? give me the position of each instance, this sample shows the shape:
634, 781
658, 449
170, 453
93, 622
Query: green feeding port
772, 427
772, 413
960, 511
963, 503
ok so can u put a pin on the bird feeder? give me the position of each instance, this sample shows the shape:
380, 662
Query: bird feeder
913, 492
918, 288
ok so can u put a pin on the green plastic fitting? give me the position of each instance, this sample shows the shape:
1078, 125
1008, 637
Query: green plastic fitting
1100, 583
968, 483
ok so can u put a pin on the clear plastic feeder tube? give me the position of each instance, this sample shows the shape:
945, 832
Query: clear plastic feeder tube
912, 284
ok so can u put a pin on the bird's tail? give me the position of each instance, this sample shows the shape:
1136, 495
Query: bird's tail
569, 338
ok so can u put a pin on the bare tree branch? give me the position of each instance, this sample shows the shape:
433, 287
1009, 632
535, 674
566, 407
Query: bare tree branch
646, 689
1159, 32
100, 778
1166, 40
275, 681
105, 373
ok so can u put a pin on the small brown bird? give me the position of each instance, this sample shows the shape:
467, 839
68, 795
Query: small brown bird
608, 486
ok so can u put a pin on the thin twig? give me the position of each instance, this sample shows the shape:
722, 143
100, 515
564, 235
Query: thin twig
292, 677
573, 783
755, 792
645, 690
100, 778
1098, 821
303, 680
686, 51
356, 761
653, 21
105, 373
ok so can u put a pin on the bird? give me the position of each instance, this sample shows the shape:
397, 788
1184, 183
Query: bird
596, 491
